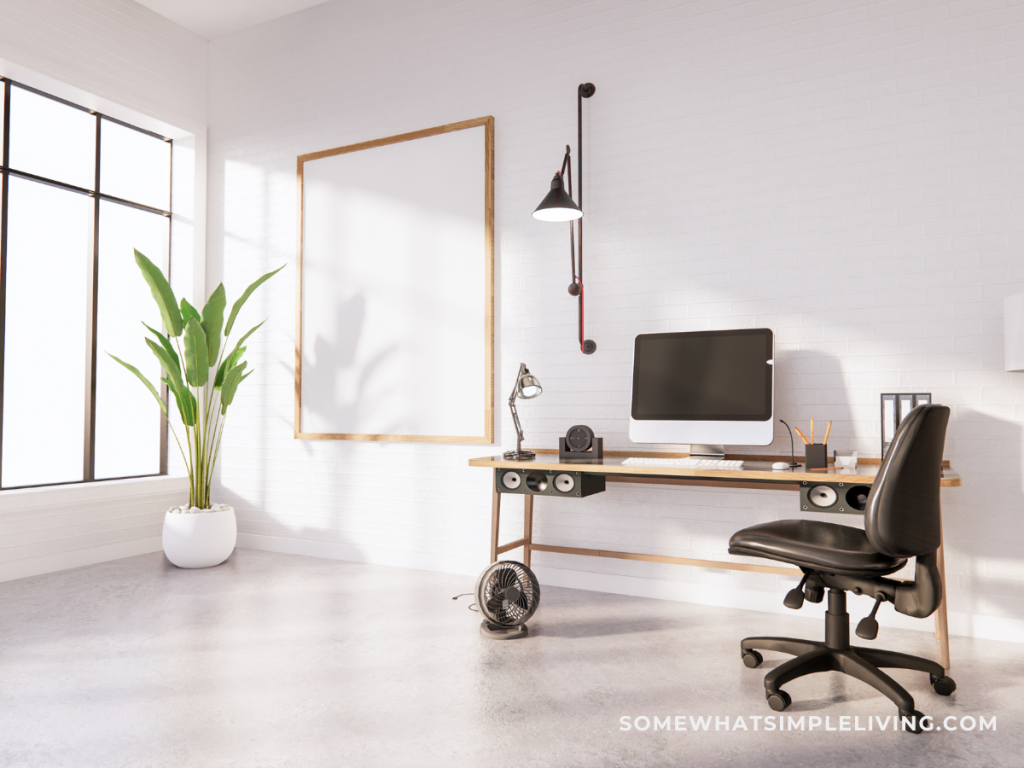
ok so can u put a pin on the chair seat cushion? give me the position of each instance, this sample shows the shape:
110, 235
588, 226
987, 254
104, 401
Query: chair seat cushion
815, 545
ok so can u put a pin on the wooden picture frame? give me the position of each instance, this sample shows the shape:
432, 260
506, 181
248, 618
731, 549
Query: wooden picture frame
333, 175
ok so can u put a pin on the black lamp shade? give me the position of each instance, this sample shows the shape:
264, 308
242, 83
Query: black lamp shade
557, 206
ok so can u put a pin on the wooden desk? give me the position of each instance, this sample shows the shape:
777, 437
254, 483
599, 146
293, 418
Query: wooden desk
756, 473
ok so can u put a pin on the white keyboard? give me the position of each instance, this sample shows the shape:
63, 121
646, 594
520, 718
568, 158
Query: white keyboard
641, 461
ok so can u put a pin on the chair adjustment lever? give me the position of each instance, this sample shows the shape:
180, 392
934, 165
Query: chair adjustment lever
868, 626
795, 597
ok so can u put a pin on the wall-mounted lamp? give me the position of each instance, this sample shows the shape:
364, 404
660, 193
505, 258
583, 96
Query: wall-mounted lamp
526, 387
1013, 332
558, 205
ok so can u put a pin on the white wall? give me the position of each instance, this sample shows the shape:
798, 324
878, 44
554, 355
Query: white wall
848, 174
113, 49
125, 61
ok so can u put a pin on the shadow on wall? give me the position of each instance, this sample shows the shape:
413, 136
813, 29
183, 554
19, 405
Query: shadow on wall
253, 519
333, 388
982, 519
810, 385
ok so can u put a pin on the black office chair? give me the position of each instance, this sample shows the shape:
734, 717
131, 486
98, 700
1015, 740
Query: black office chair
901, 520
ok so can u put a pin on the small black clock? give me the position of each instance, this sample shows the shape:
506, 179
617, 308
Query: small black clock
579, 443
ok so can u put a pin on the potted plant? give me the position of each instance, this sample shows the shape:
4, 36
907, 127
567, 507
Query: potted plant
199, 534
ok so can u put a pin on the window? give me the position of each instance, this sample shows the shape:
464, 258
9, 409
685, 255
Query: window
80, 191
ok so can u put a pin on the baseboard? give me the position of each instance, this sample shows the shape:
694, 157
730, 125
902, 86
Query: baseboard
20, 569
728, 596
720, 596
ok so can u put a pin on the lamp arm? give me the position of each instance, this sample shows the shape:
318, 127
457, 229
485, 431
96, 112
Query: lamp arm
512, 407
566, 163
567, 173
792, 451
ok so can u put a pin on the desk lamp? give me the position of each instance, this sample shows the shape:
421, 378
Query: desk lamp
559, 206
792, 450
526, 387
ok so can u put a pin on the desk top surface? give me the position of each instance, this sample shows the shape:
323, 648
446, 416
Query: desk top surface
752, 470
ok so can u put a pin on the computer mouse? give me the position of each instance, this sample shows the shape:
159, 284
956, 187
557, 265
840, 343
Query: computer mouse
780, 465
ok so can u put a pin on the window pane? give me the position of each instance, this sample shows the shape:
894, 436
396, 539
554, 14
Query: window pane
51, 139
127, 417
134, 166
49, 250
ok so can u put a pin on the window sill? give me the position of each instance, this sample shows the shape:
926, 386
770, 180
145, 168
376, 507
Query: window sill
99, 490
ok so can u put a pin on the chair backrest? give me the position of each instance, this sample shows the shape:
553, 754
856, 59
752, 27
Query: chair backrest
902, 514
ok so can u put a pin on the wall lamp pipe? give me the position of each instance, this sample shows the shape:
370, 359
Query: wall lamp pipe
559, 206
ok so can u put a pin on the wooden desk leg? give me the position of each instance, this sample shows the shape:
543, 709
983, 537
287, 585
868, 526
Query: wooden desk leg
527, 528
941, 618
495, 523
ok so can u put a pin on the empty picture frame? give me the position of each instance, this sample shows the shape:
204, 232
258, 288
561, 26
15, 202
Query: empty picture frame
395, 309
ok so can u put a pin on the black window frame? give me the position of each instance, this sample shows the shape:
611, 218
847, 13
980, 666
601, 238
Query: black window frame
92, 283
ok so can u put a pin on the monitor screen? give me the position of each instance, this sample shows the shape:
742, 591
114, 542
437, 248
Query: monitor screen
703, 376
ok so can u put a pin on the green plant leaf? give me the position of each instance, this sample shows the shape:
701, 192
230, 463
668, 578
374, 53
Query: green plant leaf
166, 344
231, 380
248, 292
230, 361
224, 408
245, 336
170, 364
197, 364
226, 365
144, 380
186, 403
188, 312
213, 320
162, 293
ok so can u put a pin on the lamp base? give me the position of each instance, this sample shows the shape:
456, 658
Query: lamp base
519, 455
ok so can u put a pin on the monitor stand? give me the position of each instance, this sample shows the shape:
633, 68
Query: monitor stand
707, 451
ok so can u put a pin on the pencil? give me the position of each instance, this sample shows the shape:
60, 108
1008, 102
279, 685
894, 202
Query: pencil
827, 431
812, 431
806, 441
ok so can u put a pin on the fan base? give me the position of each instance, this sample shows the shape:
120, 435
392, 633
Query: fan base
501, 632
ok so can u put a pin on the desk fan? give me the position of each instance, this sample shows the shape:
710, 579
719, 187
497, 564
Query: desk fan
507, 594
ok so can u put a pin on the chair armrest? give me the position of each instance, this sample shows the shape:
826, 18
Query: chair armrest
922, 596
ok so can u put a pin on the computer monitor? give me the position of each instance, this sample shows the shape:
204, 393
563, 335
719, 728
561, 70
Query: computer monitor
704, 387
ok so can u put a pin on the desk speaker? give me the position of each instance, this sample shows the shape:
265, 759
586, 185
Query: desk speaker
546, 482
833, 497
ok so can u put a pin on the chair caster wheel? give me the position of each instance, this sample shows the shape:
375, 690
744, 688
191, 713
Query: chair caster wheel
752, 659
916, 720
779, 701
943, 686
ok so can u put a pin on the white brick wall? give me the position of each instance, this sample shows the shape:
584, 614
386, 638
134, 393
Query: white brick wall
115, 50
125, 61
848, 174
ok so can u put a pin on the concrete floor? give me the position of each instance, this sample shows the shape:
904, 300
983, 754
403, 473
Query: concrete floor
278, 660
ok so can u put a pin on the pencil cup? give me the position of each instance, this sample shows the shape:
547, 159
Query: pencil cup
816, 456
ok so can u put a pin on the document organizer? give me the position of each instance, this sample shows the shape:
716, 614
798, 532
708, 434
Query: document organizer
895, 407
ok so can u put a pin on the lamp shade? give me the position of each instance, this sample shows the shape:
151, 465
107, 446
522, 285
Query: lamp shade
1013, 332
529, 387
557, 205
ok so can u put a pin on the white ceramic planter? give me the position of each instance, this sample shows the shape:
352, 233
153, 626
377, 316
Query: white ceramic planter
202, 539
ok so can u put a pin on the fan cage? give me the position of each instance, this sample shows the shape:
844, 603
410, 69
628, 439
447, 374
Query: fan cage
507, 593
